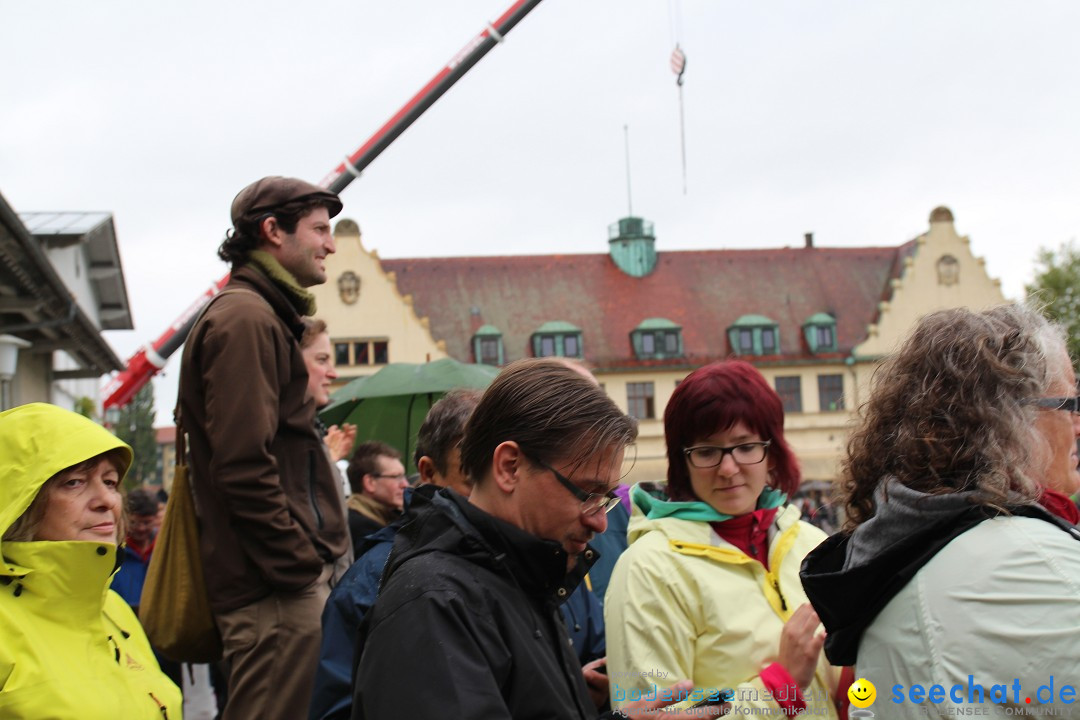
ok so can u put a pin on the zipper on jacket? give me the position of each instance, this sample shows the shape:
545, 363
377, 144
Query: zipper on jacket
311, 489
164, 710
116, 649
776, 586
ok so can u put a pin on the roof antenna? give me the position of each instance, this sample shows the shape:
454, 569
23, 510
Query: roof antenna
629, 196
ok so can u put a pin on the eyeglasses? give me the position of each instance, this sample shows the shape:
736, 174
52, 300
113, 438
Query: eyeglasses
591, 503
1069, 404
709, 456
399, 477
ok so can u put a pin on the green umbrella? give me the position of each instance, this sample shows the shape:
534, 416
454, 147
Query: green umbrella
391, 404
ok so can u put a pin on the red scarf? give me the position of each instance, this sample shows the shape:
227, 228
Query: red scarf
143, 554
1061, 505
749, 533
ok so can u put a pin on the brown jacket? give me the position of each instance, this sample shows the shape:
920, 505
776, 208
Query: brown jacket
268, 503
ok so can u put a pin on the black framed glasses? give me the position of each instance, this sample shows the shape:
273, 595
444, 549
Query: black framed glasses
398, 477
591, 503
709, 456
1068, 404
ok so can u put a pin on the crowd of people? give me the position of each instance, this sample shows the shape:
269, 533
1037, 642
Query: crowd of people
519, 577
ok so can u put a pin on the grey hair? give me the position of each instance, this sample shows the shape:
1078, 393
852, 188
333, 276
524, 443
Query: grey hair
951, 412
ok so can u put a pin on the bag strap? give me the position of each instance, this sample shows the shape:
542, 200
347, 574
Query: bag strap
181, 440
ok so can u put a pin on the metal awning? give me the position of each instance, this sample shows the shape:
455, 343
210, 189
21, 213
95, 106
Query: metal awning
97, 234
37, 306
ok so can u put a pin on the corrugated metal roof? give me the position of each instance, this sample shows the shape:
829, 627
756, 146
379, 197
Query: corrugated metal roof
95, 231
47, 312
62, 223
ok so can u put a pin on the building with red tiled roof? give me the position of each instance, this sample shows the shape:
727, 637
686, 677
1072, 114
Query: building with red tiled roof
814, 319
703, 293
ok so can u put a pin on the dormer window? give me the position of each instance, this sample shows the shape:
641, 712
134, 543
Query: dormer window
656, 339
557, 339
487, 346
820, 332
754, 335
768, 341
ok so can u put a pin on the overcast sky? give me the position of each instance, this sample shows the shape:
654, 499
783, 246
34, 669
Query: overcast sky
848, 119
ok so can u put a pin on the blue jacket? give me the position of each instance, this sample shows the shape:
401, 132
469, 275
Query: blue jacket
349, 601
356, 593
130, 578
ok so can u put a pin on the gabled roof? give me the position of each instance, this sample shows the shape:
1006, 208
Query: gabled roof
703, 291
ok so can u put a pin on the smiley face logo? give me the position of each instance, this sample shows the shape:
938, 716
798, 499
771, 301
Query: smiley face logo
862, 693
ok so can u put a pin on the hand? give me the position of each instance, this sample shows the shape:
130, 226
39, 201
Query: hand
597, 680
800, 648
340, 440
652, 709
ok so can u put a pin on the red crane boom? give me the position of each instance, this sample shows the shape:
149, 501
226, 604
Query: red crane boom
151, 358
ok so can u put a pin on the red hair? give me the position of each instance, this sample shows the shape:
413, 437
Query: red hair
712, 399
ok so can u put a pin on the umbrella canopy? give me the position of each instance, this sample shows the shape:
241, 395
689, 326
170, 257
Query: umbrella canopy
391, 404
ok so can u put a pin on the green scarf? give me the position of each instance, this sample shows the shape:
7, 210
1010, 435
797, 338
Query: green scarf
299, 298
696, 510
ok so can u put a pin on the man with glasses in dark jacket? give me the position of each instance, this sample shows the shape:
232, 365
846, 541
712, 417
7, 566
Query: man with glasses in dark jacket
467, 624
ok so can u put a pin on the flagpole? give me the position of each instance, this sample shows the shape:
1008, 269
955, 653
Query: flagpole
678, 66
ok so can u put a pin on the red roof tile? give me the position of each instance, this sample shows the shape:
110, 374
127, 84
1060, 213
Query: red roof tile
704, 292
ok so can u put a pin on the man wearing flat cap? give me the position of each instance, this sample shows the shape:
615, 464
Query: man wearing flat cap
270, 509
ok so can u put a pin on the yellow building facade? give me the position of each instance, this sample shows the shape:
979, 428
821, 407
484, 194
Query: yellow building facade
815, 321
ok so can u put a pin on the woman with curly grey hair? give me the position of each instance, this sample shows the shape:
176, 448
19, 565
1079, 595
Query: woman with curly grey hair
952, 584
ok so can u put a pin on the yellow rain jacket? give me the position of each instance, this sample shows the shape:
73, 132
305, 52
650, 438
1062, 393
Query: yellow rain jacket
685, 604
70, 648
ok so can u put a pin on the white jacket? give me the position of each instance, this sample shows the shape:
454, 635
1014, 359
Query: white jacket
1001, 604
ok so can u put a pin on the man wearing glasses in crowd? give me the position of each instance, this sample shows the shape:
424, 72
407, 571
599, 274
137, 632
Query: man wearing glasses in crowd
378, 483
470, 594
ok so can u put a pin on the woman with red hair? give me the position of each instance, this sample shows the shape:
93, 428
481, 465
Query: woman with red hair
709, 588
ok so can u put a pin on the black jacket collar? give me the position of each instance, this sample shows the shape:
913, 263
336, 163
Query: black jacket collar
446, 521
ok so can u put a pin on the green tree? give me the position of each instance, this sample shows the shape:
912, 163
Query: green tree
135, 426
86, 407
1056, 289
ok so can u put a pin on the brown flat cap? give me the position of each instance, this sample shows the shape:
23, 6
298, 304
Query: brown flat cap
272, 192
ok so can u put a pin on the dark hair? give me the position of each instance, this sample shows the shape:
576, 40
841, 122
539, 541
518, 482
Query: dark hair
550, 410
365, 462
949, 411
712, 399
247, 235
140, 502
444, 426
313, 328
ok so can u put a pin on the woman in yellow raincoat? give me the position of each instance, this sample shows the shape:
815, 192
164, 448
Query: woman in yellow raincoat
709, 588
69, 646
